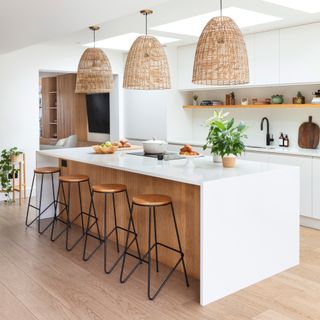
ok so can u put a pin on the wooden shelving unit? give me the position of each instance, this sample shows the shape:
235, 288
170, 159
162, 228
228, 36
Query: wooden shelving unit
255, 106
63, 111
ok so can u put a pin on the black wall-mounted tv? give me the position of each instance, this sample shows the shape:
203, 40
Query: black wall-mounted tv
98, 110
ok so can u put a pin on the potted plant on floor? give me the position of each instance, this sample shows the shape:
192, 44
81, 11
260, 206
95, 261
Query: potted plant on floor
7, 160
225, 138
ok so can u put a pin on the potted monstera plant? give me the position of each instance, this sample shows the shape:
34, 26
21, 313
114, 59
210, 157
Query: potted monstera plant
8, 158
225, 138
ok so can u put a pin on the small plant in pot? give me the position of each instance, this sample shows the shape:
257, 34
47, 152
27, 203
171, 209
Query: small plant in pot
8, 158
225, 138
195, 99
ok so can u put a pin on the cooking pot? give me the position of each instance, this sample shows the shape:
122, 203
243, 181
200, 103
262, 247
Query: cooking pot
154, 146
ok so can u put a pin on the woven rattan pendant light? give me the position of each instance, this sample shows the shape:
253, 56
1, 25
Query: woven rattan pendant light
147, 65
221, 55
94, 71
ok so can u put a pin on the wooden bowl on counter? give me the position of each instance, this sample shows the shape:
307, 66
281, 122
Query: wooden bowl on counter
104, 150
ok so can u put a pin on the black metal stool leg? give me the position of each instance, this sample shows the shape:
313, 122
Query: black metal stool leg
179, 244
115, 221
89, 226
81, 209
29, 202
56, 216
70, 222
133, 227
54, 202
40, 202
149, 255
105, 235
123, 280
155, 237
68, 217
94, 213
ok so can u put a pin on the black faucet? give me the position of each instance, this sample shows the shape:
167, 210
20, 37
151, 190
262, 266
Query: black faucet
269, 139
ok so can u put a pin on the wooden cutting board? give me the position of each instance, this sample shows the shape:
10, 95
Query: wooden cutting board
308, 135
130, 148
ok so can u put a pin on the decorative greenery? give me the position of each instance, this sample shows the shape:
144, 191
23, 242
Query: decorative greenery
224, 137
195, 97
299, 94
7, 170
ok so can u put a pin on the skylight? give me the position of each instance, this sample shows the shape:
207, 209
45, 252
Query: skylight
124, 41
309, 6
194, 25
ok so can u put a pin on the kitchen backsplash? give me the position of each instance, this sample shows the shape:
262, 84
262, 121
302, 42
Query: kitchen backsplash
284, 120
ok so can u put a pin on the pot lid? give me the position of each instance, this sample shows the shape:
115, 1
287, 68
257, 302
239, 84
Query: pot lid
155, 141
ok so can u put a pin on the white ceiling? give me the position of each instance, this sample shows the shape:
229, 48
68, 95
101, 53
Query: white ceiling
27, 22
65, 22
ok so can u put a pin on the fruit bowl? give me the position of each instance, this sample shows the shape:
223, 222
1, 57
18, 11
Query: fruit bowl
104, 150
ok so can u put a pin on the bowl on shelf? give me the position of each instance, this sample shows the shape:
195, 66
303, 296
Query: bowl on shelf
104, 150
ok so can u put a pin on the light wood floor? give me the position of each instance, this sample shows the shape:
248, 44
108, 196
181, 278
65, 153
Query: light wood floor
40, 280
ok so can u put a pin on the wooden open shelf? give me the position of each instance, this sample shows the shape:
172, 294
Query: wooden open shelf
252, 106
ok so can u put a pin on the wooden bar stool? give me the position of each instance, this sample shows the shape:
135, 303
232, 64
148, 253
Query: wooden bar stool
153, 201
70, 180
42, 171
109, 189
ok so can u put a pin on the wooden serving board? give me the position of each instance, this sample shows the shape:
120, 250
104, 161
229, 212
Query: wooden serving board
130, 148
308, 135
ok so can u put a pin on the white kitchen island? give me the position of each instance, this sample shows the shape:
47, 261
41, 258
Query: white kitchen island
238, 226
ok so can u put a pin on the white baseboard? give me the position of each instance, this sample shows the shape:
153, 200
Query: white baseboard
310, 222
2, 196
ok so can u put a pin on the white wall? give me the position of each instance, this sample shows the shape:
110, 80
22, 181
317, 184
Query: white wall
19, 86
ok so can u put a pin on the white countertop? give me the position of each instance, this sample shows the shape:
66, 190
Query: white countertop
197, 172
276, 150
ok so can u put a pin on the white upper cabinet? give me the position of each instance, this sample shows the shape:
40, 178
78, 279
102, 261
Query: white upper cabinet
283, 56
299, 54
249, 40
185, 67
266, 58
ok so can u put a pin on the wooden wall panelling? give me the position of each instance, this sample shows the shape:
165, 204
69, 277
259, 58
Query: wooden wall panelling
80, 118
72, 113
186, 200
65, 101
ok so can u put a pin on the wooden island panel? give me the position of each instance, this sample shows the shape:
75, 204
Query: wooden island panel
186, 201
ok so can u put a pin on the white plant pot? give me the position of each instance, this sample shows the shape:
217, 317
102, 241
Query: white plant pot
216, 158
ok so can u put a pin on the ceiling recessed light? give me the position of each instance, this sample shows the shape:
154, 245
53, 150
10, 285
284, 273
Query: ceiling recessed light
125, 41
309, 6
194, 25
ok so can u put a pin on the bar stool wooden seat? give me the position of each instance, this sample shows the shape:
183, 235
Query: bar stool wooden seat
42, 171
70, 180
47, 170
152, 201
109, 189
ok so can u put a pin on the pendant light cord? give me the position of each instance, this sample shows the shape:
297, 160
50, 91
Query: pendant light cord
220, 8
94, 38
146, 24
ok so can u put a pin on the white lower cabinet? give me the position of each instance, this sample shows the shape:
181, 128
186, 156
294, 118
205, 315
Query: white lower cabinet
255, 156
316, 188
305, 165
308, 181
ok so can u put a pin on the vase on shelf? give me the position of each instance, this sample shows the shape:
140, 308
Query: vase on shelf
277, 99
